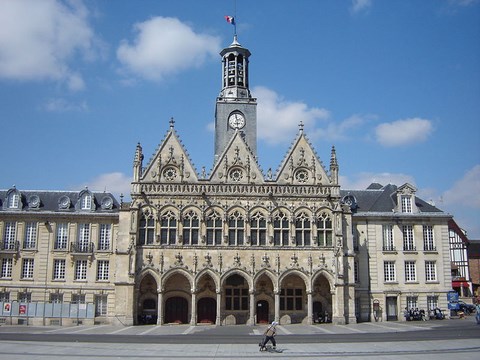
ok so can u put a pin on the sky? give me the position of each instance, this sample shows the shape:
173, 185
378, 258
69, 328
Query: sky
393, 85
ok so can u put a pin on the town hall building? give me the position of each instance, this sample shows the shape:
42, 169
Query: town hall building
235, 245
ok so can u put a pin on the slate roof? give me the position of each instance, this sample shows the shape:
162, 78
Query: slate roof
49, 200
379, 199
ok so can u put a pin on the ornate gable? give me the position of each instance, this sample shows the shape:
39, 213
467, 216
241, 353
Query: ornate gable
170, 163
301, 165
237, 165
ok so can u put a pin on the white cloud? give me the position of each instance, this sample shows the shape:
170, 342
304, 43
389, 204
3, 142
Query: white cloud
360, 5
62, 105
278, 119
362, 180
38, 39
116, 183
159, 47
466, 191
463, 2
403, 132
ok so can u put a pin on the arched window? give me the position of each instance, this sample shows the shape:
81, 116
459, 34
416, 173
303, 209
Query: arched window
236, 229
214, 229
168, 228
146, 232
86, 202
191, 228
258, 229
302, 230
13, 200
324, 230
280, 229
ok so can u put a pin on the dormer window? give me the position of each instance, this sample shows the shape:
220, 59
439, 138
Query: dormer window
13, 201
406, 203
86, 203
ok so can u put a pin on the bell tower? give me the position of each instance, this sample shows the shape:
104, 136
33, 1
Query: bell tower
235, 109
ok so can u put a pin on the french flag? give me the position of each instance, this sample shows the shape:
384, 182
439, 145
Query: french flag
230, 19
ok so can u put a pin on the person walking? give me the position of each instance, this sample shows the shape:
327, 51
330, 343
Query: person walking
269, 335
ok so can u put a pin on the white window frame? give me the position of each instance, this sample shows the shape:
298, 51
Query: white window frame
13, 201
408, 238
83, 236
61, 242
105, 237
86, 202
428, 238
430, 271
389, 272
81, 270
406, 203
30, 241
59, 268
410, 271
7, 265
103, 267
28, 265
388, 239
101, 305
9, 235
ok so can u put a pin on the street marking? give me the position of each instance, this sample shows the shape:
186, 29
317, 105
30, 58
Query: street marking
284, 330
120, 330
257, 332
351, 329
88, 328
148, 331
189, 330
322, 329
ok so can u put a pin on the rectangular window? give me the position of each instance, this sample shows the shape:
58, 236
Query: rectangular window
25, 297
408, 240
389, 271
191, 229
432, 302
406, 203
78, 298
7, 268
168, 229
83, 238
236, 299
102, 269
61, 242
236, 230
59, 269
81, 270
105, 236
281, 231
428, 241
430, 271
4, 296
13, 201
291, 299
388, 244
9, 236
412, 302
302, 230
410, 271
56, 298
100, 305
214, 230
27, 268
30, 241
86, 203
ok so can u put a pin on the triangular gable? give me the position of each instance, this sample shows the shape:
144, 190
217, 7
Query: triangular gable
237, 164
170, 163
301, 165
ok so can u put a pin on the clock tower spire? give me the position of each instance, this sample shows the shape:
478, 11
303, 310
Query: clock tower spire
236, 109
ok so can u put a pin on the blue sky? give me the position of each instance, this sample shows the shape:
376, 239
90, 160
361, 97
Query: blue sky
394, 85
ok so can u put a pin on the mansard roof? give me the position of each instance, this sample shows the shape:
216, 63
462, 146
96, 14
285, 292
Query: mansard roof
59, 201
382, 199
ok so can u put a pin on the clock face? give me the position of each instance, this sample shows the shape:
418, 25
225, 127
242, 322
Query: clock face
236, 121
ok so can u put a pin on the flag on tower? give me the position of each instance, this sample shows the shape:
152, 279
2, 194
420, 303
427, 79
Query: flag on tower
230, 19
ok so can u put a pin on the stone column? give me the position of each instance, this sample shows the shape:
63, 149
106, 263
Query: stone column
309, 308
277, 306
252, 308
193, 319
219, 307
159, 307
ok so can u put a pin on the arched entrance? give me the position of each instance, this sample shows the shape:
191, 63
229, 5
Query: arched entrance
206, 311
262, 312
147, 301
322, 300
176, 310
